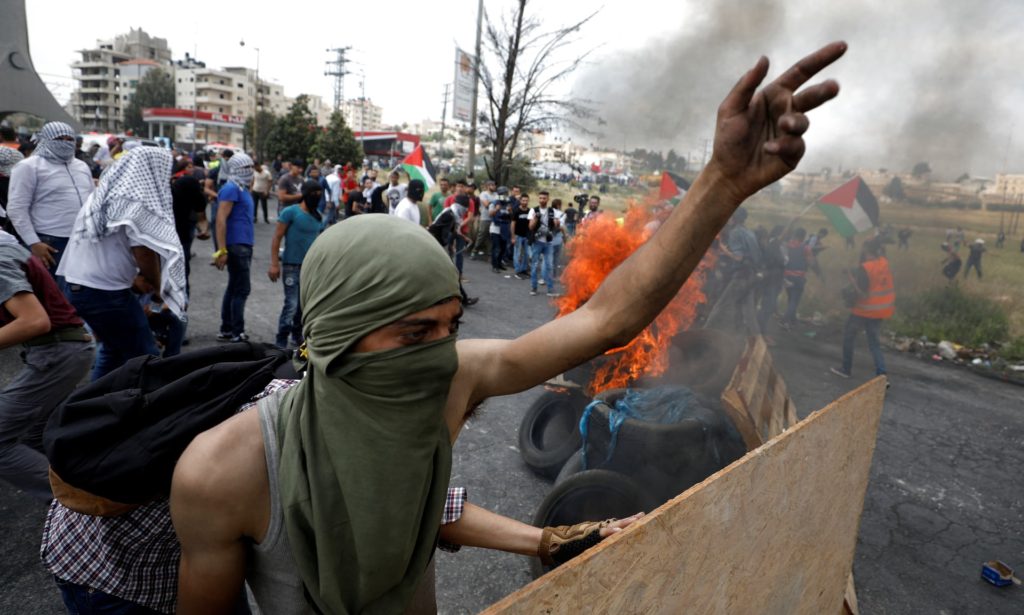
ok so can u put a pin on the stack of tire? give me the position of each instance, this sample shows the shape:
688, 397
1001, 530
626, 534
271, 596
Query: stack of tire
650, 463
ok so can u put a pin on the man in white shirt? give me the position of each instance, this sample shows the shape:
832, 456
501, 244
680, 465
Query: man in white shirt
124, 239
483, 229
334, 197
395, 191
46, 192
261, 180
408, 208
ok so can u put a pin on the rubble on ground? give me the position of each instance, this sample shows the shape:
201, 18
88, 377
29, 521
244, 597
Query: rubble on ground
984, 358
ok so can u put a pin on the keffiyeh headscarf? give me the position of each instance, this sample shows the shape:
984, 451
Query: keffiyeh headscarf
48, 147
136, 192
365, 450
240, 171
8, 158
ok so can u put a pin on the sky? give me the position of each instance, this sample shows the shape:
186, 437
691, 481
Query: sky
924, 80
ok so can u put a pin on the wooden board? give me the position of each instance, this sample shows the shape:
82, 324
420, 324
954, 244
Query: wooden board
774, 532
756, 398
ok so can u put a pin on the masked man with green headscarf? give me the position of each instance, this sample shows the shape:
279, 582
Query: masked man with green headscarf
328, 498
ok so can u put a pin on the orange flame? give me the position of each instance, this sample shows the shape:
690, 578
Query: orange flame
598, 248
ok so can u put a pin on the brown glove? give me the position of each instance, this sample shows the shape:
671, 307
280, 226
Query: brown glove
560, 544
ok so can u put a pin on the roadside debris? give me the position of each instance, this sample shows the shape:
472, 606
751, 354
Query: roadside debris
983, 359
999, 574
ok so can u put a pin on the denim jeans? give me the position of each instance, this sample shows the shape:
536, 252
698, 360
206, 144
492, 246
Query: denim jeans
541, 250
794, 291
460, 251
60, 244
770, 289
259, 199
871, 327
556, 253
213, 224
497, 250
50, 373
521, 260
117, 320
80, 600
290, 322
570, 227
232, 308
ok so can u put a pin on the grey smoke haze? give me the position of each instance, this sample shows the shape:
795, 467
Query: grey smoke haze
922, 80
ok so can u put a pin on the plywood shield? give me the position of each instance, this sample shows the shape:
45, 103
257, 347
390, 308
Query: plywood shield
774, 532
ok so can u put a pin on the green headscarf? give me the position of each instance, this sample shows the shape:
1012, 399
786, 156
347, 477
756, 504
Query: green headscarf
365, 451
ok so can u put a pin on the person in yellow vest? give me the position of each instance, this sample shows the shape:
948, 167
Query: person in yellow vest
876, 302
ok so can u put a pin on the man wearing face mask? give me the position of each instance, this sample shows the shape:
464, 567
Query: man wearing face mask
235, 233
299, 226
46, 192
328, 497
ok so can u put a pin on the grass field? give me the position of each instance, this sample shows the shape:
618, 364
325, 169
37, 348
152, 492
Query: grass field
916, 270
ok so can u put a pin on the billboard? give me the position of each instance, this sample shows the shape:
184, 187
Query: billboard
465, 76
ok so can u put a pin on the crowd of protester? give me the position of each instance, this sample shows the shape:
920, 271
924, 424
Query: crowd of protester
96, 258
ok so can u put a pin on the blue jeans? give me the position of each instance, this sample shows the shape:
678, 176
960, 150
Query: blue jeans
497, 251
117, 320
794, 291
770, 289
80, 600
521, 259
570, 228
556, 253
541, 250
871, 327
60, 244
460, 250
213, 224
232, 308
290, 322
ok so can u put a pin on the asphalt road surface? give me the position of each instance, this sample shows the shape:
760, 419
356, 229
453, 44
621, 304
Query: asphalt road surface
946, 490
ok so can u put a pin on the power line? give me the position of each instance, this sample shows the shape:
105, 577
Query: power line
336, 69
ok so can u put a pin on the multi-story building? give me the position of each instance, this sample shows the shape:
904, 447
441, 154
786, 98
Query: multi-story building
105, 80
224, 94
362, 115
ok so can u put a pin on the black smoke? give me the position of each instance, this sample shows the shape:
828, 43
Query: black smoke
922, 81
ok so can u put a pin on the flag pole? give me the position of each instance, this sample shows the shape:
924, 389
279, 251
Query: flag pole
471, 163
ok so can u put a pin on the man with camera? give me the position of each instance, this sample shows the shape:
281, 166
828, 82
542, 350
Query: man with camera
544, 222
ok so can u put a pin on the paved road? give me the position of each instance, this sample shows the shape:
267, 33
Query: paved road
946, 491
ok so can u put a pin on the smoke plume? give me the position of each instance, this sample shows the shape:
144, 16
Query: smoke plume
922, 81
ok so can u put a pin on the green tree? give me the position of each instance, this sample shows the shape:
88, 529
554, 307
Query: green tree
155, 89
264, 120
294, 133
894, 190
337, 143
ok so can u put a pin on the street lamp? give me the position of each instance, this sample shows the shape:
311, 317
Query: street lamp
257, 103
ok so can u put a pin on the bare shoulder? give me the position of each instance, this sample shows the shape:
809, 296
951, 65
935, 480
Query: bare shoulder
224, 472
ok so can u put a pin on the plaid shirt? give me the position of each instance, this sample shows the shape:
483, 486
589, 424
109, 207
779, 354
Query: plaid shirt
135, 556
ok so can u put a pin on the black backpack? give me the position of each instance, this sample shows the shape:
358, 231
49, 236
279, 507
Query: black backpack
120, 437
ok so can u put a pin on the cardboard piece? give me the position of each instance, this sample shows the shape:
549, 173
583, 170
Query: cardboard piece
774, 532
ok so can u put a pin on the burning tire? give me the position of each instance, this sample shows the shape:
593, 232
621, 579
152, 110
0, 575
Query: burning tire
573, 466
549, 433
664, 458
590, 496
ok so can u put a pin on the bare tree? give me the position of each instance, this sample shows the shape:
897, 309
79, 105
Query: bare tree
526, 63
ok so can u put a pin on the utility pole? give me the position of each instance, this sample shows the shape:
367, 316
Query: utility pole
336, 69
444, 112
704, 161
471, 164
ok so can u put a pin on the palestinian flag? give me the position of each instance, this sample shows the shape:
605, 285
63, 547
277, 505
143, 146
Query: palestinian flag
673, 187
417, 166
851, 208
